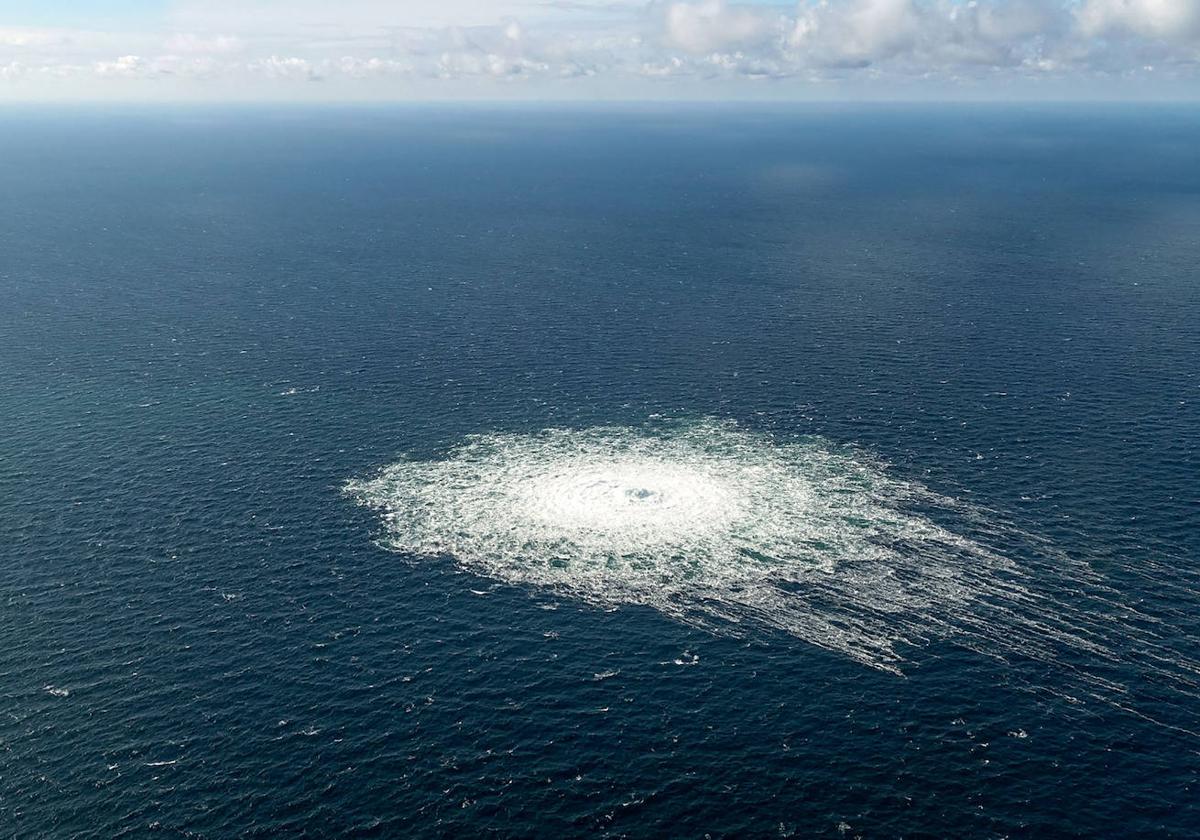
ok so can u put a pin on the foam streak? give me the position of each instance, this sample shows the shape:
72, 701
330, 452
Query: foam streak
731, 530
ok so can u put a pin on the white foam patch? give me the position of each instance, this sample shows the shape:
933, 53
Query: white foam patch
705, 522
733, 530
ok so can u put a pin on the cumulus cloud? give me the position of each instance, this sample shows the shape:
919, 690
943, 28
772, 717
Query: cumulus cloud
626, 42
127, 66
925, 37
291, 67
1173, 20
714, 25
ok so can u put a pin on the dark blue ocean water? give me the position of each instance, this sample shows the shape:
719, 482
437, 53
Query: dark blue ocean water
211, 320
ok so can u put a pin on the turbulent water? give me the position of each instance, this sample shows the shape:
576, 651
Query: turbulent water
729, 530
703, 522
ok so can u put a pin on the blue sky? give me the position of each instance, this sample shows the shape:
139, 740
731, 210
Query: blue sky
598, 49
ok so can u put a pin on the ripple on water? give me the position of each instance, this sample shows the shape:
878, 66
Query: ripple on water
733, 530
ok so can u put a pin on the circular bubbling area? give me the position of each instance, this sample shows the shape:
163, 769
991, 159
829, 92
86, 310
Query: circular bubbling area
737, 532
635, 503
708, 523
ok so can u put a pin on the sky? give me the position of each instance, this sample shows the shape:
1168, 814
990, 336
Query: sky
398, 50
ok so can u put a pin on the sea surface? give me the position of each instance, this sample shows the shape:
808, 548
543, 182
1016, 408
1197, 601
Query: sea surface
624, 471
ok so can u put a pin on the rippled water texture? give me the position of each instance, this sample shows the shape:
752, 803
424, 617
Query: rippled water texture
730, 529
626, 472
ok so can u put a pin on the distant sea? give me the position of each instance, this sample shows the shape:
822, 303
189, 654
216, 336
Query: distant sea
625, 471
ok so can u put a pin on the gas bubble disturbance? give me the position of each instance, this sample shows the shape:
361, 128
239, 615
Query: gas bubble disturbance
735, 531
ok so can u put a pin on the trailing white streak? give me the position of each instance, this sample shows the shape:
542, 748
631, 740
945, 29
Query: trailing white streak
730, 530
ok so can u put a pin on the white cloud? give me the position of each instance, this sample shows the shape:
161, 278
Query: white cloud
938, 36
292, 67
715, 25
127, 66
876, 29
359, 68
374, 43
1174, 20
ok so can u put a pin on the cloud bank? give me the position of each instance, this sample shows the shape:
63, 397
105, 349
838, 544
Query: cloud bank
417, 49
